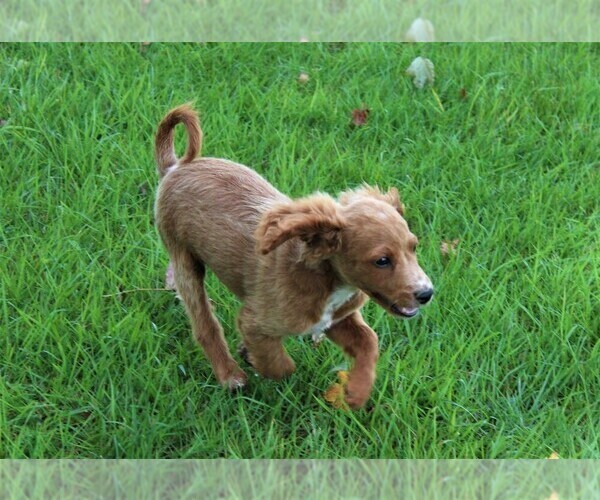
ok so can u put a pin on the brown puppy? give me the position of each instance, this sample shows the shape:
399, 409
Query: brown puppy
299, 266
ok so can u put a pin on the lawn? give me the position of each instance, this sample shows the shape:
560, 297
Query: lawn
502, 156
291, 20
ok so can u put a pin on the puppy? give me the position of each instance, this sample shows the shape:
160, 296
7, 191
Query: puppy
303, 266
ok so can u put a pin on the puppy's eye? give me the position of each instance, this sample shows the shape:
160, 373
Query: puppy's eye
383, 262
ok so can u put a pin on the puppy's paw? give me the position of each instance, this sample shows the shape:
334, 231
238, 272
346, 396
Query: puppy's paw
288, 367
282, 368
243, 353
236, 381
358, 392
355, 401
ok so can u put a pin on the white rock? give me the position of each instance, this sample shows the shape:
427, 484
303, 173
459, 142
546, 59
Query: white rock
422, 71
421, 30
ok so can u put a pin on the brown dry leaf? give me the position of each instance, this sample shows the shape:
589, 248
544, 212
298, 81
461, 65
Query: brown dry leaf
553, 496
463, 93
359, 116
449, 247
553, 456
303, 77
337, 392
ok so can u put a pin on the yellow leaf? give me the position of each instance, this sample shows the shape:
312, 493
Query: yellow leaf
437, 99
553, 456
553, 496
343, 376
335, 395
337, 392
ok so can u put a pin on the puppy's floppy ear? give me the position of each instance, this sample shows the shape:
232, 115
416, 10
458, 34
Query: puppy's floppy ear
392, 197
315, 220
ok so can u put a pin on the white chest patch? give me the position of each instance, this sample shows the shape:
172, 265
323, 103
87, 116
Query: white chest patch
170, 169
337, 299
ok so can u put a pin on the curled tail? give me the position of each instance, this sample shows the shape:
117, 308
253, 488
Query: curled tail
164, 149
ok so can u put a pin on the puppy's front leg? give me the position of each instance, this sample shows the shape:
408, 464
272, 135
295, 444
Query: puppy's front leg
359, 341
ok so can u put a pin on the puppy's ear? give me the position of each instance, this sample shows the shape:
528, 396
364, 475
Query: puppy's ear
315, 220
392, 197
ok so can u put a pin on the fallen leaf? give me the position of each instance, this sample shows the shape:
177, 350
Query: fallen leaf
337, 392
421, 30
359, 116
303, 77
437, 99
553, 456
553, 496
463, 93
449, 247
335, 395
343, 376
422, 70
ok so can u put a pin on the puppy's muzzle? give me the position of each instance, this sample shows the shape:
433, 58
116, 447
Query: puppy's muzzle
423, 296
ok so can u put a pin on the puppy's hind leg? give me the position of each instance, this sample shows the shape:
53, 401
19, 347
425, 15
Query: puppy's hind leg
265, 353
189, 276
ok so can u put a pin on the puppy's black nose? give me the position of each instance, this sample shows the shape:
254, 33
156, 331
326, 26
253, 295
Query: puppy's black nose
424, 296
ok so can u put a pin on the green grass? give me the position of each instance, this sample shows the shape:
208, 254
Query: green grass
291, 20
503, 364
